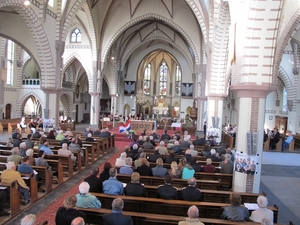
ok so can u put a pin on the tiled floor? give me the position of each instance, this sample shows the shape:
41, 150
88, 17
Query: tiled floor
280, 180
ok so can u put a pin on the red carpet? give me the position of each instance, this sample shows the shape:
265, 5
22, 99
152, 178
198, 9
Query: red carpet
50, 212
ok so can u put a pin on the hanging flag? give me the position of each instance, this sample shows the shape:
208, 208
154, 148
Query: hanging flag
124, 126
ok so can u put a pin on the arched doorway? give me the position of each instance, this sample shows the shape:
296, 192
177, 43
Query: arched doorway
7, 111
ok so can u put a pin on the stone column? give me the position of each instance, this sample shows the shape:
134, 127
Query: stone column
215, 114
251, 115
95, 109
200, 112
51, 110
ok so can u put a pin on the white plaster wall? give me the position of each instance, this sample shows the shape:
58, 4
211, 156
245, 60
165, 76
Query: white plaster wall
30, 69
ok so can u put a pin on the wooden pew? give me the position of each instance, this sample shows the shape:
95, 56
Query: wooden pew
95, 216
14, 197
31, 182
45, 177
177, 182
168, 207
211, 195
66, 163
56, 166
9, 124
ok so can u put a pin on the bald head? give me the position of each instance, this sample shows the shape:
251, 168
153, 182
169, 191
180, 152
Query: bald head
78, 221
193, 212
192, 181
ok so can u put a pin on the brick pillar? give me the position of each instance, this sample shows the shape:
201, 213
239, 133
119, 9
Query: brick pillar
251, 115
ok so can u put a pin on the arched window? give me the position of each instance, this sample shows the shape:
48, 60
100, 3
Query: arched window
284, 100
147, 81
9, 62
76, 36
177, 81
163, 79
51, 3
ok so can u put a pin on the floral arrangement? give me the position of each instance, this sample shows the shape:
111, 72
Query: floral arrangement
129, 133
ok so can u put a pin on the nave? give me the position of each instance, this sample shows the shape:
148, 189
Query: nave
279, 182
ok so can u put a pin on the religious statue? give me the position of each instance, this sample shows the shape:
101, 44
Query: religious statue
161, 102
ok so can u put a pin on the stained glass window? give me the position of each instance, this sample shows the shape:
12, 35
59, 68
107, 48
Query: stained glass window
9, 62
147, 81
163, 79
178, 81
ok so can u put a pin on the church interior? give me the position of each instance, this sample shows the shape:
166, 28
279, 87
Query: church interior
235, 62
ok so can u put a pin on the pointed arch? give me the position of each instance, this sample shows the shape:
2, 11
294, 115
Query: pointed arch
25, 98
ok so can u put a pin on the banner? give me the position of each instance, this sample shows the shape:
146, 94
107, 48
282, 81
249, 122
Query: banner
124, 126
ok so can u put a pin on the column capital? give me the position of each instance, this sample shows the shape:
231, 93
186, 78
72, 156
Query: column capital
95, 94
252, 90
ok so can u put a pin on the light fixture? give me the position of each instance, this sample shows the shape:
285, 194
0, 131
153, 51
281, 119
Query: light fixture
117, 95
131, 96
112, 57
26, 2
155, 97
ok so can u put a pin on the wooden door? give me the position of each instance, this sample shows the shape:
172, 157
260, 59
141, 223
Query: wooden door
7, 111
281, 124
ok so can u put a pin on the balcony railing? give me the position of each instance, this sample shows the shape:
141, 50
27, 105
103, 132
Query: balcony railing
31, 81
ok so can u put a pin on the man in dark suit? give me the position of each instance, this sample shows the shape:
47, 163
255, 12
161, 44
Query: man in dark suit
104, 134
191, 193
165, 136
116, 217
200, 141
154, 156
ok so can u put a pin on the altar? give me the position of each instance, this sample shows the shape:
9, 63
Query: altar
140, 125
161, 108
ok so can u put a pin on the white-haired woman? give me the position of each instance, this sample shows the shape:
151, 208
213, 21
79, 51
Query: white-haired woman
261, 213
85, 199
121, 160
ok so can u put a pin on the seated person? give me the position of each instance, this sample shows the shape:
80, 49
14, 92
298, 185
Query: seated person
226, 165
15, 156
121, 160
112, 186
137, 162
51, 134
193, 151
193, 214
188, 171
144, 169
169, 159
46, 148
89, 138
274, 139
213, 155
154, 156
135, 188
162, 149
177, 148
165, 136
141, 140
159, 170
147, 144
235, 212
116, 217
69, 133
85, 199
60, 136
261, 213
68, 212
287, 141
10, 174
188, 155
186, 143
200, 141
174, 172
152, 141
64, 151
196, 165
23, 123
40, 161
191, 193
37, 134
127, 168
209, 168
94, 181
167, 191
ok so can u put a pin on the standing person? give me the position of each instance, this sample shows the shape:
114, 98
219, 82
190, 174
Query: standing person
68, 212
116, 217
193, 214
235, 212
204, 130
